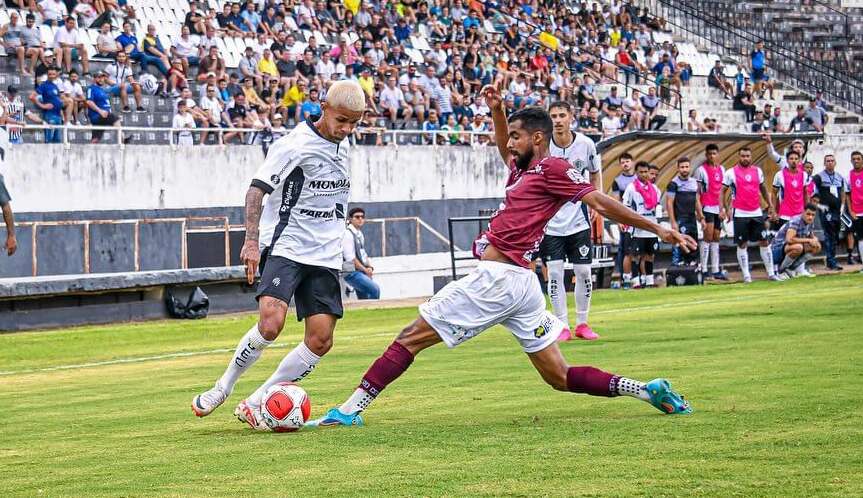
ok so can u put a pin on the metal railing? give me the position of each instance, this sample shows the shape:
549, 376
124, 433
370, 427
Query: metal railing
712, 25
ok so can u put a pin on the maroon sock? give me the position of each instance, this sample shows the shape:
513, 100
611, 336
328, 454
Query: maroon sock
590, 380
395, 360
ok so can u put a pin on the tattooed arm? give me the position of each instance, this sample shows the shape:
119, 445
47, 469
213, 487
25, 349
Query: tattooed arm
250, 255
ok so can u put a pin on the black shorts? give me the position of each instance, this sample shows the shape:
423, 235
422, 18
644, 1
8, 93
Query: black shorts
758, 75
776, 225
750, 229
688, 227
315, 289
857, 228
644, 246
714, 219
576, 248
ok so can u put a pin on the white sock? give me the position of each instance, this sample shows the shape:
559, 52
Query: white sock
294, 367
648, 279
359, 401
583, 290
557, 290
627, 277
634, 388
743, 260
704, 249
767, 258
248, 351
714, 257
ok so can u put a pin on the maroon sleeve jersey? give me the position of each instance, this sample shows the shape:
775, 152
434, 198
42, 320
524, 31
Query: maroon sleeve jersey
533, 196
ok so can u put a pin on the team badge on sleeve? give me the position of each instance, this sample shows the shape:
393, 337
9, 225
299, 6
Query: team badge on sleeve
575, 176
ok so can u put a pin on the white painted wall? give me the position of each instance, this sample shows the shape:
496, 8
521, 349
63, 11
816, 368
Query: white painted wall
413, 275
45, 178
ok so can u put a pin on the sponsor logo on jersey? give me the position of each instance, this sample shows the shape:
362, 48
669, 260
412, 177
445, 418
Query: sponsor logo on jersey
327, 215
540, 331
277, 281
329, 184
575, 176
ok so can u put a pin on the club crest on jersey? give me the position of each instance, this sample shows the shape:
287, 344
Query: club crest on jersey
794, 183
583, 250
575, 176
275, 179
748, 178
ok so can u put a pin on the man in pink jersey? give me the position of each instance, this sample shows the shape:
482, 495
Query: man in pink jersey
744, 188
502, 289
710, 175
790, 190
854, 199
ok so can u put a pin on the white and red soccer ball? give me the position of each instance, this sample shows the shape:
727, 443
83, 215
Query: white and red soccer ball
285, 407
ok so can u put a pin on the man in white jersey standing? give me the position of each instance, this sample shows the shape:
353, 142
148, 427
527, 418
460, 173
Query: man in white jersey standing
567, 235
296, 236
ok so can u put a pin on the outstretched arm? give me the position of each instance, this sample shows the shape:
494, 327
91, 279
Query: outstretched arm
494, 99
614, 210
250, 255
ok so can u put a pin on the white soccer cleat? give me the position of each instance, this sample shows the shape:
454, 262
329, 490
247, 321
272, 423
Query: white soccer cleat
747, 280
777, 277
245, 413
803, 272
207, 401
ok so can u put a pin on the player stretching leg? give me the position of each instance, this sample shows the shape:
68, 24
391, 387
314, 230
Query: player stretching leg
298, 246
743, 189
567, 235
710, 175
502, 290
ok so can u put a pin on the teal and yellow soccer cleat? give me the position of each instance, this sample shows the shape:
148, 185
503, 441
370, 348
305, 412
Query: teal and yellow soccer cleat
665, 399
335, 417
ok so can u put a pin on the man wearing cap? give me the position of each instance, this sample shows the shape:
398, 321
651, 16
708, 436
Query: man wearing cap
46, 96
801, 122
99, 106
68, 46
817, 115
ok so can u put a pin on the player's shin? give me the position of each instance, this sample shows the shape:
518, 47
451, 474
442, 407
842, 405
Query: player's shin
743, 261
596, 382
648, 273
557, 290
583, 290
704, 251
714, 257
767, 258
247, 353
294, 367
395, 360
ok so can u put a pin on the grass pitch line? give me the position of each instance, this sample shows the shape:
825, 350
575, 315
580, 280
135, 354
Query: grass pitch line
185, 354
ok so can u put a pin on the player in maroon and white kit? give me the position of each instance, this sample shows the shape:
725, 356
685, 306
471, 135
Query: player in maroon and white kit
502, 289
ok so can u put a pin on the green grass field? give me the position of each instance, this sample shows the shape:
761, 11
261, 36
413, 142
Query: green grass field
773, 373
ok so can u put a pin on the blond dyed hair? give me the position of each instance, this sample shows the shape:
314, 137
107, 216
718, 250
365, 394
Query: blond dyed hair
347, 95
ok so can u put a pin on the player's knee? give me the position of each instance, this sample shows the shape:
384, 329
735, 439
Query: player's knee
271, 323
320, 344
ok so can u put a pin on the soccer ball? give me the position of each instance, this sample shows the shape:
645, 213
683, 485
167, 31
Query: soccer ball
285, 407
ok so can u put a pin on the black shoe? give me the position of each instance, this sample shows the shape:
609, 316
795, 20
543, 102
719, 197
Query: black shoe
140, 109
127, 108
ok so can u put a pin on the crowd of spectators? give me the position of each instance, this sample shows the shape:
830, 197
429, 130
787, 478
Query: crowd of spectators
428, 82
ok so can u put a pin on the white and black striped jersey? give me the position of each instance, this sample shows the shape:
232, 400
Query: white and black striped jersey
308, 182
581, 154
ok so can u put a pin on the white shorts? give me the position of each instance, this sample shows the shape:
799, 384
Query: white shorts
493, 293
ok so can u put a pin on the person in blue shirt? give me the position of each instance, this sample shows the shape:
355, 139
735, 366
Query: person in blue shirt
471, 20
99, 106
251, 18
403, 30
758, 60
311, 108
129, 42
46, 97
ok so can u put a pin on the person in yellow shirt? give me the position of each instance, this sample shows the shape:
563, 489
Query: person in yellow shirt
367, 83
295, 94
267, 66
252, 97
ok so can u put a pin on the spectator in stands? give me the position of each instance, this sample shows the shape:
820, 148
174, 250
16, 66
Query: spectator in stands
31, 38
393, 102
13, 115
99, 107
611, 124
634, 111
311, 108
183, 123
46, 97
212, 106
252, 98
211, 64
432, 124
267, 67
611, 100
693, 124
8, 218
590, 125
478, 125
88, 15
249, 67
10, 36
816, 114
106, 45
194, 21
757, 63
53, 11
716, 79
177, 78
801, 122
776, 121
623, 59
759, 124
586, 97
129, 42
745, 101
651, 103
357, 262
72, 95
69, 46
121, 81
152, 46
239, 116
185, 48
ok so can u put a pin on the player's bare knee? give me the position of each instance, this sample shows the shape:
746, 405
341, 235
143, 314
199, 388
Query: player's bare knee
320, 343
271, 322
